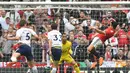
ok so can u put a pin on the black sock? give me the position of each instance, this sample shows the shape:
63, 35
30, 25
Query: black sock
93, 51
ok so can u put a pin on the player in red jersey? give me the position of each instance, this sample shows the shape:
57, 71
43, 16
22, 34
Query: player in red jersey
99, 39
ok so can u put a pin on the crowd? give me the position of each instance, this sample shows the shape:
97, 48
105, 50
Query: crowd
75, 23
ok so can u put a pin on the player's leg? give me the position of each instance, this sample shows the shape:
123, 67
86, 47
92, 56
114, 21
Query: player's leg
16, 52
91, 49
69, 59
56, 55
43, 56
15, 55
33, 67
48, 60
76, 67
92, 46
30, 59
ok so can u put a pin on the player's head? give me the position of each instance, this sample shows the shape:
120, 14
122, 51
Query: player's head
23, 23
64, 37
114, 24
54, 26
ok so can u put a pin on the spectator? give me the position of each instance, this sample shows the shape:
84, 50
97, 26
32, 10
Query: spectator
128, 33
45, 47
28, 13
3, 20
88, 21
8, 44
82, 16
69, 26
113, 42
72, 40
126, 51
108, 53
81, 38
77, 28
128, 17
80, 34
119, 56
120, 59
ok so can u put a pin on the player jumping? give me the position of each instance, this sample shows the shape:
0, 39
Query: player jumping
100, 38
66, 56
55, 45
24, 36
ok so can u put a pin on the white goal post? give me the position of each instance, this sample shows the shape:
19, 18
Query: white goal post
68, 5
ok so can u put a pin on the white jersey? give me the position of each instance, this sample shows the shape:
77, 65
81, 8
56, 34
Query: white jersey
55, 36
25, 35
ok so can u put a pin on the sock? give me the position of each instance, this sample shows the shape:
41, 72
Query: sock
53, 70
48, 60
76, 68
34, 69
93, 51
28, 71
13, 59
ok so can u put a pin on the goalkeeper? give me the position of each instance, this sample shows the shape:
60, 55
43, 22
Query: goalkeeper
66, 53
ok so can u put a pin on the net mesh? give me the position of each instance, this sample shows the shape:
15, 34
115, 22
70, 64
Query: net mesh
75, 21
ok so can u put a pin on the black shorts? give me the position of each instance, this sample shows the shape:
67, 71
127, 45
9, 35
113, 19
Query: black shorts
56, 53
26, 51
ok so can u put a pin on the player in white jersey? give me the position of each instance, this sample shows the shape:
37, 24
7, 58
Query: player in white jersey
23, 35
55, 45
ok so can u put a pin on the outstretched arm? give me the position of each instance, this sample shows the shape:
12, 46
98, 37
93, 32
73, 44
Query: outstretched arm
97, 30
13, 38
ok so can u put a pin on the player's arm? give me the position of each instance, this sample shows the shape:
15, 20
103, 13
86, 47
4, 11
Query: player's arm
17, 37
50, 45
97, 30
13, 38
34, 34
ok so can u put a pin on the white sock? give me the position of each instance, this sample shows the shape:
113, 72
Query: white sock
48, 60
28, 71
53, 70
13, 59
34, 69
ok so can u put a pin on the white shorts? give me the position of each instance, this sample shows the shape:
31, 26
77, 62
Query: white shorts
96, 42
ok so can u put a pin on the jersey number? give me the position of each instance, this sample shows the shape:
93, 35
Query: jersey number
57, 38
27, 36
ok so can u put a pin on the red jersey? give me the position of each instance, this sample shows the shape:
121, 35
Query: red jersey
90, 36
122, 38
109, 33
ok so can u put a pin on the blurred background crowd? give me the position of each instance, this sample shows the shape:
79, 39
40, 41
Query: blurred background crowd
75, 23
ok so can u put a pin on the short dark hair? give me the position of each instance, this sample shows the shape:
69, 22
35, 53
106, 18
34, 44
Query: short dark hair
23, 22
114, 24
54, 26
7, 17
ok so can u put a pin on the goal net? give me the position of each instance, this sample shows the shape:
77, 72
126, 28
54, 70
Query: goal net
75, 19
